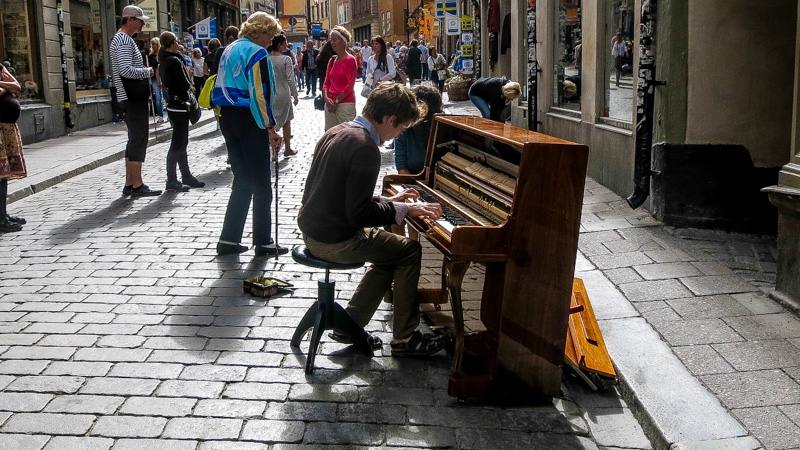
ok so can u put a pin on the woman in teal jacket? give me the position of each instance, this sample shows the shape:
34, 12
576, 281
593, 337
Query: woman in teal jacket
244, 92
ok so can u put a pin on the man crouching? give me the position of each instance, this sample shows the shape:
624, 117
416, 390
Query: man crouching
339, 215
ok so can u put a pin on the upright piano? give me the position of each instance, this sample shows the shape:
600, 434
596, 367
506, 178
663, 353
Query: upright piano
512, 200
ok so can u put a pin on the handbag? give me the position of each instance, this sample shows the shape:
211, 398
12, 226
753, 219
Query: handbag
205, 94
442, 74
367, 89
9, 108
137, 89
319, 103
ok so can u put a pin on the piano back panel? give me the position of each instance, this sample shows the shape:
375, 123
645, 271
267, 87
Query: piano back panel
545, 223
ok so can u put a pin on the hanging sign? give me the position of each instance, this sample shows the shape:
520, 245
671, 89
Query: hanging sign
150, 10
452, 25
466, 23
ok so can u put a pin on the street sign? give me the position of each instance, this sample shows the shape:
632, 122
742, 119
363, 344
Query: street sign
452, 25
467, 38
316, 29
202, 30
466, 51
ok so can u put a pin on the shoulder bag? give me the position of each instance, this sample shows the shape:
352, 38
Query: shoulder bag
137, 89
367, 89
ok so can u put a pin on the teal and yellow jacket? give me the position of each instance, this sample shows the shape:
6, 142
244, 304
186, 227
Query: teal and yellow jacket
245, 80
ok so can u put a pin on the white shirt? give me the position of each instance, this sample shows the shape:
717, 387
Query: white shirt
380, 75
366, 52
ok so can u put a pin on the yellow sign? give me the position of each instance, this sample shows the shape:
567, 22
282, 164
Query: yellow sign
426, 25
466, 51
466, 23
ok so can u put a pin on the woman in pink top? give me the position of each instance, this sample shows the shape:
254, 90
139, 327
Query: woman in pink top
340, 99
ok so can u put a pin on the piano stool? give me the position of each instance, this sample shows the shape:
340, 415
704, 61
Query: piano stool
326, 314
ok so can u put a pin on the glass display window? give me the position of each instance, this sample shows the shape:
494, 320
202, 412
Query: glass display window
18, 46
88, 50
619, 86
567, 55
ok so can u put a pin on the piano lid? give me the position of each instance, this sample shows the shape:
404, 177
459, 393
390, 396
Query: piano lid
500, 132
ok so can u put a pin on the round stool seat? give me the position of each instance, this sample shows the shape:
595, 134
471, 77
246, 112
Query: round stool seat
301, 255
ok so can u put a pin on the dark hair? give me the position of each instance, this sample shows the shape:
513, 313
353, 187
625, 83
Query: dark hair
213, 45
392, 99
414, 43
277, 40
381, 57
166, 38
231, 33
427, 94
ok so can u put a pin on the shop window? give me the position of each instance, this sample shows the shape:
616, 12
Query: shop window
18, 45
89, 54
619, 83
567, 55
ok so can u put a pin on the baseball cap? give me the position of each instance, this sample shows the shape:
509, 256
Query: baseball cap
134, 11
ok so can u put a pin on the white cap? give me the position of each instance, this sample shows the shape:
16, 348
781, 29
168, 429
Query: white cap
134, 11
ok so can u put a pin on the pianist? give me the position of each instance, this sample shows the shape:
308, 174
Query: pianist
339, 217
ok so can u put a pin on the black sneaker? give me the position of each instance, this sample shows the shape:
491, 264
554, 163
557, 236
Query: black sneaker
271, 250
224, 248
144, 191
176, 186
193, 182
127, 190
15, 219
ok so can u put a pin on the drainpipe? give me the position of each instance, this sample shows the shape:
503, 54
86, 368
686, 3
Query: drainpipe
644, 105
65, 80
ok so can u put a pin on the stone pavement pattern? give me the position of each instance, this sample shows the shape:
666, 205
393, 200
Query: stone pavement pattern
120, 328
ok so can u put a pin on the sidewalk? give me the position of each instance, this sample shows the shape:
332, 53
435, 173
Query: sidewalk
699, 346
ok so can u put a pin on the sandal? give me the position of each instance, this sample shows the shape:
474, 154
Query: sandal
343, 338
419, 345
289, 152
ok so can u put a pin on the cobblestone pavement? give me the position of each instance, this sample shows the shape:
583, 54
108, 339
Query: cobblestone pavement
120, 328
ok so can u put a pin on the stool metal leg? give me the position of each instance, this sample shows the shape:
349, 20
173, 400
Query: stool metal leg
316, 335
305, 323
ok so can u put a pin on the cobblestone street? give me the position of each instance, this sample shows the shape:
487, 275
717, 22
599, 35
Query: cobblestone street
121, 328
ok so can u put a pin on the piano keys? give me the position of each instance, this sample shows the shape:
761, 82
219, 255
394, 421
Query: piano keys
516, 197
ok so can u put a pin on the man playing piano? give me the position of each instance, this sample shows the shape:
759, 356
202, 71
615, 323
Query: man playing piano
339, 217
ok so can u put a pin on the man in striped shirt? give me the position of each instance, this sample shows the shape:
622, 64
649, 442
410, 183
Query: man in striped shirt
127, 62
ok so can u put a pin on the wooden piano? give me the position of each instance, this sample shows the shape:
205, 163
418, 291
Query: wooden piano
512, 201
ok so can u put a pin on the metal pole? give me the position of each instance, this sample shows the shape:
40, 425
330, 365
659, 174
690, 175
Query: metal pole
64, 78
277, 170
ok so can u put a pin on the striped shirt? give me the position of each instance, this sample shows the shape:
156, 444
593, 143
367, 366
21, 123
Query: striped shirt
126, 61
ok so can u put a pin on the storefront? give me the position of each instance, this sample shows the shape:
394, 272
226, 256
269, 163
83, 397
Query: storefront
18, 39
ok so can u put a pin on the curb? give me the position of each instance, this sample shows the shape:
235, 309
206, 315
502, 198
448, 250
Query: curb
31, 189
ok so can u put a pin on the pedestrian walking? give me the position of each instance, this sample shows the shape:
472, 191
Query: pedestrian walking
198, 75
285, 91
178, 90
310, 67
132, 85
366, 52
619, 51
245, 92
155, 80
12, 162
438, 66
298, 69
380, 65
338, 90
414, 62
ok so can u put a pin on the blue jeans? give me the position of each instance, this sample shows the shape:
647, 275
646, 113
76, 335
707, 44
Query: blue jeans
157, 98
311, 81
364, 71
249, 152
482, 106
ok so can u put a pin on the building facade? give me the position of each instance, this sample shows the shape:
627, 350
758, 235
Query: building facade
686, 106
31, 41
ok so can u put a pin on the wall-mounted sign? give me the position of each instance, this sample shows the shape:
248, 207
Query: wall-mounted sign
150, 10
467, 65
467, 38
466, 51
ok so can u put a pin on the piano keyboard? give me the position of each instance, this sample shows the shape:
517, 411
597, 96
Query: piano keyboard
450, 217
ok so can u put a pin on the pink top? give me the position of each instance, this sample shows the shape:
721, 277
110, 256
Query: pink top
341, 77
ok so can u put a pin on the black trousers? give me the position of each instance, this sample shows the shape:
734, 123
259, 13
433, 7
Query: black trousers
137, 116
177, 147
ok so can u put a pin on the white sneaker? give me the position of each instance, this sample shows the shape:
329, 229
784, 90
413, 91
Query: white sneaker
160, 120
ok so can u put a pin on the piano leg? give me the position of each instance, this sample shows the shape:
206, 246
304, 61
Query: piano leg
453, 275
